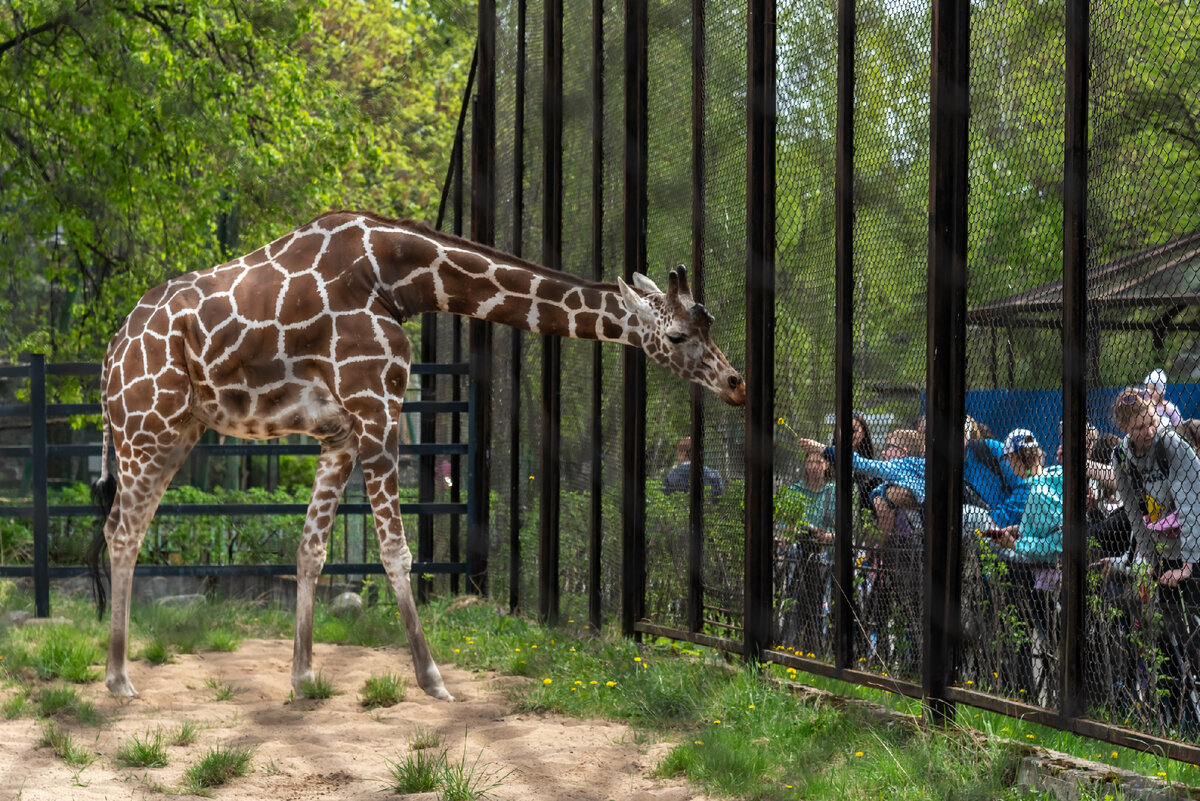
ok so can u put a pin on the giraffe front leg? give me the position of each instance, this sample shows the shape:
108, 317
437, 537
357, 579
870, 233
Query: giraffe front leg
333, 471
397, 561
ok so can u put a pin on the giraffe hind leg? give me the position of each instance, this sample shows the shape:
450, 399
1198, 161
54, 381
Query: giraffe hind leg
333, 471
137, 496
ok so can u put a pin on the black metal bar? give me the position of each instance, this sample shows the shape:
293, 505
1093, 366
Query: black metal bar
633, 360
552, 175
844, 611
945, 350
1074, 343
236, 509
760, 327
514, 457
596, 428
696, 395
41, 515
480, 332
454, 170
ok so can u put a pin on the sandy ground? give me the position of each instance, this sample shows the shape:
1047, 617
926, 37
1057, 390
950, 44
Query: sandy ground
330, 749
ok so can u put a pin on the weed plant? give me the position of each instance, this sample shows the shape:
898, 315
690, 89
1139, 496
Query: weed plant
383, 691
147, 752
188, 733
221, 691
62, 701
70, 752
420, 771
219, 766
318, 687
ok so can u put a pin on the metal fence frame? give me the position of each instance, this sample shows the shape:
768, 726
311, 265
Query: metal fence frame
41, 511
946, 353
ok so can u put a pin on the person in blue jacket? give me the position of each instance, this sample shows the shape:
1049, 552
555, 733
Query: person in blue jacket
993, 494
901, 471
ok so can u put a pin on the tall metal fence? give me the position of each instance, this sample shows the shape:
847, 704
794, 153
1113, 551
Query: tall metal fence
942, 247
47, 519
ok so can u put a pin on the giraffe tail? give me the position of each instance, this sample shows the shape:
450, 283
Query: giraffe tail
104, 493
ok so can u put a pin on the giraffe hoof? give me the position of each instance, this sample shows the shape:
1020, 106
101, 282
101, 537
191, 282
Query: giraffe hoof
440, 693
121, 686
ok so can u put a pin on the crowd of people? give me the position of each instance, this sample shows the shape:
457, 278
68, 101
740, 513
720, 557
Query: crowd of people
1143, 503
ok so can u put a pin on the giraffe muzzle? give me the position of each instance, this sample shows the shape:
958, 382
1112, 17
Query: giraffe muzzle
736, 394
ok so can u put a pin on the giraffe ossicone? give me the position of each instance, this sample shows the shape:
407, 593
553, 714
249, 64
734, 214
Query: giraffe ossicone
303, 336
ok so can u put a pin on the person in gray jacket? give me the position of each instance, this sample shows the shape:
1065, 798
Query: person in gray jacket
1158, 479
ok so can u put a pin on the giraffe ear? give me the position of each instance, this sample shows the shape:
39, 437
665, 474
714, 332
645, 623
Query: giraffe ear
644, 283
634, 303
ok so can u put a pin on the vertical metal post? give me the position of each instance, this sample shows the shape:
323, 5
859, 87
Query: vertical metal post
633, 360
1075, 186
480, 332
843, 552
695, 606
945, 349
596, 432
760, 326
41, 508
552, 122
515, 477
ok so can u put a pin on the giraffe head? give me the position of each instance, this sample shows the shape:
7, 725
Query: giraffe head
676, 334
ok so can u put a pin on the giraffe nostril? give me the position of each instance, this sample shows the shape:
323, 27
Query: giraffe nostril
735, 381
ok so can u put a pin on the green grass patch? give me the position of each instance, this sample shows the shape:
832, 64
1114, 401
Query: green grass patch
217, 767
420, 771
63, 701
149, 751
56, 737
318, 687
221, 690
383, 691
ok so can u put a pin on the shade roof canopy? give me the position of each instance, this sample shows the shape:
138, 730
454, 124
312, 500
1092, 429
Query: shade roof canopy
1142, 290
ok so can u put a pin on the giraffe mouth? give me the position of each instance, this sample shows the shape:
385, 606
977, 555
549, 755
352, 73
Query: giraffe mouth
735, 396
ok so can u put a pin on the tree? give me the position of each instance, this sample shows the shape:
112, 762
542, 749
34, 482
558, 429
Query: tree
141, 140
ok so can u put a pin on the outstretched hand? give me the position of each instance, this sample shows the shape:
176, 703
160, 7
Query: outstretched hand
810, 445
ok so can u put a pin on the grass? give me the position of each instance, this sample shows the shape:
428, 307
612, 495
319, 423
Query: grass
318, 687
383, 691
732, 727
427, 768
221, 691
139, 752
70, 752
217, 767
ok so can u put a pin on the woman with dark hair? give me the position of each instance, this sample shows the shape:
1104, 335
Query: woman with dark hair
862, 445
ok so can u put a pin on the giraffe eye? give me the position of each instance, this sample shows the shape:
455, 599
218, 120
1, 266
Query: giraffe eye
675, 337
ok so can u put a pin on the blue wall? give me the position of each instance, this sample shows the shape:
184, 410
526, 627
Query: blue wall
1040, 410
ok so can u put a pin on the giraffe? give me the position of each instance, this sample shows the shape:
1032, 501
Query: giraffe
303, 336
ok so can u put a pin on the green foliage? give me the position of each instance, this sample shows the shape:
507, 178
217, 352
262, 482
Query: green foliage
219, 766
318, 687
69, 751
144, 140
143, 752
383, 691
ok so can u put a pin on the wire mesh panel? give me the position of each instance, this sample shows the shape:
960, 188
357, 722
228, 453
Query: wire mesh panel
1143, 648
1013, 493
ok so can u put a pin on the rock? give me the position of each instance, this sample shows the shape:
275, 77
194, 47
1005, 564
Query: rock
15, 618
180, 600
348, 604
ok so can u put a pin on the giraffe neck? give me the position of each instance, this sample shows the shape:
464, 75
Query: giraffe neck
431, 271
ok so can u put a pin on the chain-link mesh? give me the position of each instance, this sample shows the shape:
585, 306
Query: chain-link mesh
1144, 239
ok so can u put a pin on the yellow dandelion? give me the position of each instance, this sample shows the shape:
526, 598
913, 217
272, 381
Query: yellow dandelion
750, 707
637, 659
578, 683
457, 650
1030, 737
1114, 754
858, 753
547, 681
593, 682
610, 684
717, 722
698, 742
533, 646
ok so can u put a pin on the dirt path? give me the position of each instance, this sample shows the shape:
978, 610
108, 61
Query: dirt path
332, 749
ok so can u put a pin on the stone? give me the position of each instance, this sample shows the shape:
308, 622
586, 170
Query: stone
348, 604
